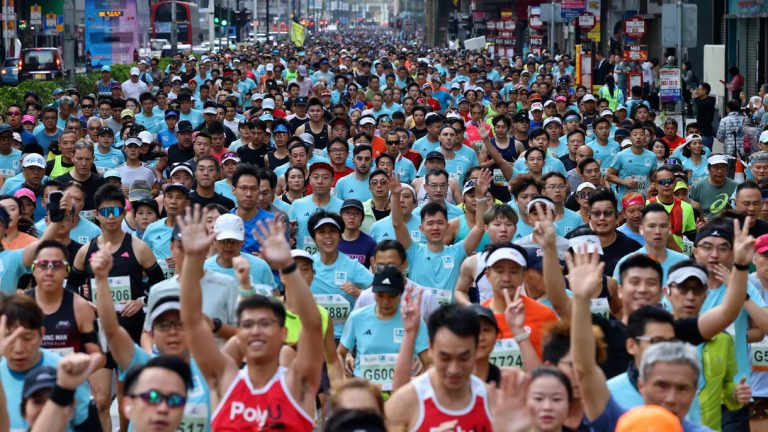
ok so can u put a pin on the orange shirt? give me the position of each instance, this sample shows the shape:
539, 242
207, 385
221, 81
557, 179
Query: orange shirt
379, 146
537, 316
673, 144
20, 242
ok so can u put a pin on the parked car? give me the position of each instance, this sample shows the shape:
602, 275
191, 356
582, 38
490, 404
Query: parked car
43, 64
156, 47
9, 74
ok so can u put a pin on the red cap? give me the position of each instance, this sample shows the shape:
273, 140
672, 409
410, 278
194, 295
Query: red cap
761, 244
320, 165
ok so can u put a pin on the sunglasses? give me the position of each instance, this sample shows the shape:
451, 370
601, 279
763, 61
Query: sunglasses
111, 211
86, 106
50, 265
698, 290
154, 397
14, 113
393, 142
666, 182
583, 195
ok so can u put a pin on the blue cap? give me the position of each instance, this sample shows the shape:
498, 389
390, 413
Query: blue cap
171, 113
266, 117
106, 68
113, 173
41, 378
280, 128
57, 91
5, 127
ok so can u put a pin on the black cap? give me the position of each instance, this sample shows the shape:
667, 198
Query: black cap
184, 126
535, 259
720, 231
352, 203
484, 312
177, 186
355, 421
106, 130
41, 378
521, 116
389, 280
301, 101
149, 202
435, 155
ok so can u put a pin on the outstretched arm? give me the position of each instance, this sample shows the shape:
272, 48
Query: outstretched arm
411, 312
398, 219
554, 283
475, 235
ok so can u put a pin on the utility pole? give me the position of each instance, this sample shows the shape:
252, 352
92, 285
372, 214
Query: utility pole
552, 29
69, 39
266, 4
211, 24
174, 29
679, 51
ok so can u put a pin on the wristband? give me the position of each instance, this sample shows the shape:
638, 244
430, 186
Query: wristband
741, 267
290, 269
519, 338
61, 396
217, 325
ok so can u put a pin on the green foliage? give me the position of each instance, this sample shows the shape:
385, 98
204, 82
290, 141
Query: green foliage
44, 89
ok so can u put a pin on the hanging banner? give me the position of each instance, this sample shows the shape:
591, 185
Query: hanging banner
670, 89
297, 34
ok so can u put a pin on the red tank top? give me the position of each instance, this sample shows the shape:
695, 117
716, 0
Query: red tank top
244, 408
476, 417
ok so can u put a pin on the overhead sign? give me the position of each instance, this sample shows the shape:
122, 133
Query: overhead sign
535, 22
35, 15
586, 21
571, 9
111, 13
476, 44
670, 89
634, 27
49, 25
636, 52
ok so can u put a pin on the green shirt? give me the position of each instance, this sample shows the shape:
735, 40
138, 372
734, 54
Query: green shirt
713, 199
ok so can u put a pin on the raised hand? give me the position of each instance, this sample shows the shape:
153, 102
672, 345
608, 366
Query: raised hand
585, 271
743, 243
242, 270
274, 247
544, 233
411, 310
515, 310
101, 262
507, 402
7, 339
483, 183
194, 238
75, 368
394, 183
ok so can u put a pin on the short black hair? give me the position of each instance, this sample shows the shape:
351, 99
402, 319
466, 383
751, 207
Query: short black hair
108, 192
654, 208
584, 162
640, 318
387, 245
459, 320
244, 169
433, 208
52, 244
640, 260
258, 301
602, 194
171, 363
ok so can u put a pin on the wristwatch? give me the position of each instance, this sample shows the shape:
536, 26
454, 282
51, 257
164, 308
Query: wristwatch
216, 325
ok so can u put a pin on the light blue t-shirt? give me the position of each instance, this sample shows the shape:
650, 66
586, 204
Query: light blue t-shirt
568, 222
437, 271
384, 230
225, 188
698, 172
197, 412
423, 145
631, 166
44, 140
13, 383
83, 232
633, 235
673, 258
628, 397
551, 164
377, 343
104, 162
10, 164
195, 117
11, 269
300, 211
604, 153
153, 123
350, 187
405, 170
561, 149
158, 237
523, 229
262, 279
326, 287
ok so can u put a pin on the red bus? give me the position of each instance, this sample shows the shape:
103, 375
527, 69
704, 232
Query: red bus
187, 19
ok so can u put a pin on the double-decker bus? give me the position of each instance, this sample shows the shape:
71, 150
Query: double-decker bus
187, 19
114, 31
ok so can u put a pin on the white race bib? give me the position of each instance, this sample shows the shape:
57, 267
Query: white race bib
168, 272
442, 295
600, 306
498, 178
506, 353
309, 245
7, 173
760, 355
90, 215
338, 307
62, 351
379, 369
119, 287
642, 183
195, 418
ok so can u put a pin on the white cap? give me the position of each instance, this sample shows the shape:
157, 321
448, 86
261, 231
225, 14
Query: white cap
626, 142
229, 227
327, 221
536, 106
135, 71
621, 107
696, 137
210, 110
587, 98
257, 96
506, 253
717, 159
145, 137
33, 159
17, 136
455, 86
268, 103
592, 242
367, 120
300, 253
546, 202
176, 78
606, 112
270, 67
549, 102
682, 274
552, 120
764, 137
585, 185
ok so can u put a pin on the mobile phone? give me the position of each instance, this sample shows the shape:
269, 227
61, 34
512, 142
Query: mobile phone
54, 207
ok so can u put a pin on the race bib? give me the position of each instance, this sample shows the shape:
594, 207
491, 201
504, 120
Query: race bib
90, 215
262, 289
195, 418
453, 176
642, 183
338, 307
379, 369
62, 351
498, 178
7, 173
442, 295
397, 335
119, 287
760, 355
168, 272
309, 245
600, 306
416, 236
506, 353
448, 262
687, 246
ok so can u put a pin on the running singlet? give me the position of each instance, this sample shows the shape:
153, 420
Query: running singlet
244, 408
475, 417
61, 332
321, 138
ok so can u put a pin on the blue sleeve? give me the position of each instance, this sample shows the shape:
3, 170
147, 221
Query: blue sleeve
348, 334
82, 403
362, 277
609, 417
755, 295
616, 163
139, 358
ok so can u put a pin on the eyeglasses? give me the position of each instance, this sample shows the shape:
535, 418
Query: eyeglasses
50, 264
582, 195
665, 182
167, 325
246, 189
111, 211
655, 339
154, 397
698, 289
438, 186
555, 187
393, 142
379, 182
339, 150
597, 214
709, 247
261, 324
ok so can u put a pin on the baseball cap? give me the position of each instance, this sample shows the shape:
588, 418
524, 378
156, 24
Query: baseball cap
133, 141
270, 67
303, 71
300, 253
521, 116
177, 186
126, 113
320, 165
149, 202
25, 193
468, 186
230, 156
717, 159
135, 71
181, 167
535, 258
763, 137
106, 68
536, 106
5, 127
301, 101
561, 98
684, 272
680, 185
585, 185
647, 418
257, 96
308, 138
540, 200
106, 130
606, 112
113, 173
280, 128
761, 244
714, 231
551, 120
696, 137
388, 280
40, 378
621, 108
210, 108
455, 86
549, 102
268, 103
266, 117
435, 155
626, 143
27, 118
184, 126
506, 253
484, 312
164, 304
352, 203
116, 85
367, 120
326, 221
587, 98
176, 78
171, 113
229, 227
145, 137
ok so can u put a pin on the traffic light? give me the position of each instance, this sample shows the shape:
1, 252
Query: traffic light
22, 24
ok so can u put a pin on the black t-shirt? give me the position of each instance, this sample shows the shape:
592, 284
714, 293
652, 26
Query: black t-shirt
295, 122
217, 198
760, 228
419, 132
178, 155
621, 247
275, 162
380, 214
615, 332
94, 182
494, 375
568, 162
253, 156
